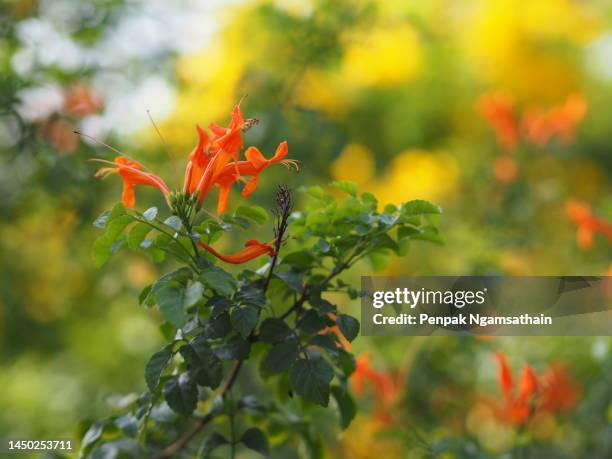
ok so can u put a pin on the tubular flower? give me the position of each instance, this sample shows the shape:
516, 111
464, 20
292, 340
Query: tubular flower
559, 391
386, 387
198, 160
252, 167
534, 125
132, 174
214, 161
499, 110
252, 249
516, 409
588, 224
552, 391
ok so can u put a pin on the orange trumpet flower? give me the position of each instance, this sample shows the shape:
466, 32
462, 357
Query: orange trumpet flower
132, 174
214, 161
198, 160
499, 110
516, 408
551, 391
252, 167
385, 387
252, 250
588, 224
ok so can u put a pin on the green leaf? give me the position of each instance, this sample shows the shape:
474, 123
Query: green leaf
301, 259
310, 378
419, 207
193, 294
322, 305
218, 304
379, 259
255, 213
212, 442
325, 341
137, 234
105, 245
171, 304
244, 319
173, 222
181, 394
346, 186
282, 355
322, 246
150, 213
156, 365
346, 362
349, 326
430, 234
274, 330
312, 322
292, 279
93, 434
100, 222
255, 439
219, 326
208, 367
218, 280
234, 348
346, 406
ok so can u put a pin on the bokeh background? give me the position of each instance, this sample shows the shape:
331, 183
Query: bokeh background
500, 111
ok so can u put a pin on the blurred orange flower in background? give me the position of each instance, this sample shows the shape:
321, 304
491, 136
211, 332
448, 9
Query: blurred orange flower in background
588, 225
552, 391
535, 125
80, 100
498, 108
385, 387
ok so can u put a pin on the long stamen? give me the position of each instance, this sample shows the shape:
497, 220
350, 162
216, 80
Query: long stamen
291, 164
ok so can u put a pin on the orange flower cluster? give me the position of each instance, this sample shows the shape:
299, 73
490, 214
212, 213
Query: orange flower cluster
552, 391
588, 225
386, 388
535, 125
214, 162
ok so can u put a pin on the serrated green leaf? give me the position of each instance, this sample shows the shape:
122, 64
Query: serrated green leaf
311, 322
430, 234
105, 245
137, 234
301, 259
346, 186
419, 207
254, 213
235, 348
244, 319
171, 304
346, 406
349, 326
282, 355
292, 279
207, 366
218, 326
181, 394
218, 280
255, 439
274, 330
310, 378
156, 365
193, 294
212, 442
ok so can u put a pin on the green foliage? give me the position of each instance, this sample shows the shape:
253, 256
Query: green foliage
276, 320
